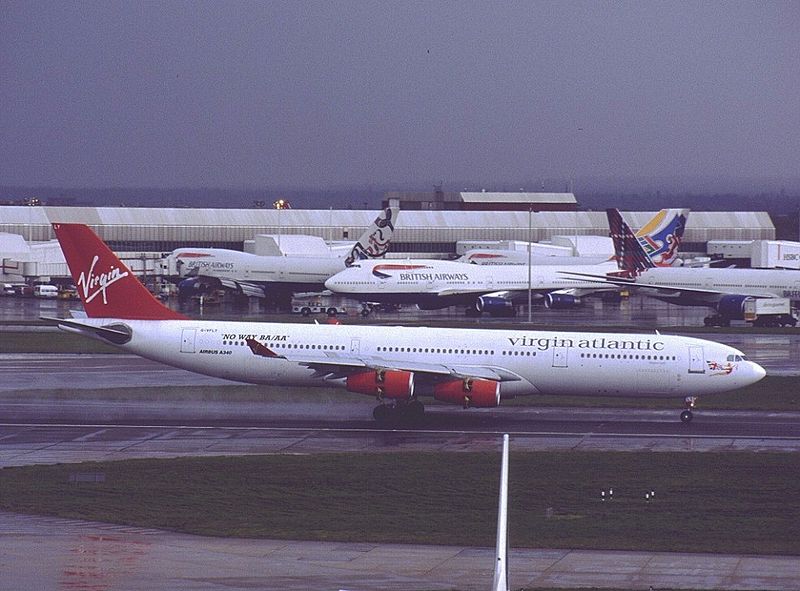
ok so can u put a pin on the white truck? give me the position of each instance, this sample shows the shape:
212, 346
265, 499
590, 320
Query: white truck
757, 311
318, 304
769, 312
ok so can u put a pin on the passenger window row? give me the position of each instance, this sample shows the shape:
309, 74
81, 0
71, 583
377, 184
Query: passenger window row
629, 356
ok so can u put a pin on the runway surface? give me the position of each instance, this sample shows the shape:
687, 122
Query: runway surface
64, 408
36, 431
49, 553
71, 408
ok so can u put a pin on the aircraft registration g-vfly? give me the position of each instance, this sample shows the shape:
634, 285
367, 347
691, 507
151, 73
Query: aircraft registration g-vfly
396, 365
279, 275
434, 284
724, 290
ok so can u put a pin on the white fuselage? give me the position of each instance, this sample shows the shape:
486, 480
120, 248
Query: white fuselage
241, 266
530, 362
495, 257
710, 283
416, 281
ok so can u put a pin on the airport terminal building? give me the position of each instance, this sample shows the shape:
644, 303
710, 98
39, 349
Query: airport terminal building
423, 229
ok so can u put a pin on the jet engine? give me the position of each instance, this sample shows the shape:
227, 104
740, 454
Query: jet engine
196, 286
732, 306
495, 306
384, 383
559, 301
470, 392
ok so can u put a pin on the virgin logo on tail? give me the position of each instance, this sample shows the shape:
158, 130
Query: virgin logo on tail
93, 285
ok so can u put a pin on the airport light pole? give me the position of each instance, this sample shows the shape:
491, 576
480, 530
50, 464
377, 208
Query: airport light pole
530, 231
279, 205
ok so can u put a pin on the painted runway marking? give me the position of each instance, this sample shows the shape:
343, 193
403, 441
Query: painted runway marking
358, 431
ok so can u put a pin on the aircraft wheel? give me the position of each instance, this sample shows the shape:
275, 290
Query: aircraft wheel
686, 416
415, 410
382, 413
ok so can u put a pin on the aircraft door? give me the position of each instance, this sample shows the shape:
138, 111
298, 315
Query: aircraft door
355, 346
696, 360
187, 340
559, 357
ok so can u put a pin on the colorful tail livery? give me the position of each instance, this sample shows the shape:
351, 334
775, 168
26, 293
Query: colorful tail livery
656, 244
107, 288
661, 237
374, 242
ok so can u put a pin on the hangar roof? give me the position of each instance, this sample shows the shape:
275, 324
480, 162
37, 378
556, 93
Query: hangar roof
127, 223
516, 197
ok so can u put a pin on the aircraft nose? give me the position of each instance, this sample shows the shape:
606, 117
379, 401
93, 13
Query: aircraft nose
758, 372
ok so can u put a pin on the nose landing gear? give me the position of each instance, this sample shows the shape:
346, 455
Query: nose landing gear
686, 415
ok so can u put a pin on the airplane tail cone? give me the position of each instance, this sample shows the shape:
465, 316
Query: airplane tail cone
107, 288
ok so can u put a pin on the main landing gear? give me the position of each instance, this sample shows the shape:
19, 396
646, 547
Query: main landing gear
400, 412
686, 415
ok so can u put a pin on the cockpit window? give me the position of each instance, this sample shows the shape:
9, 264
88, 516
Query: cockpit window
736, 358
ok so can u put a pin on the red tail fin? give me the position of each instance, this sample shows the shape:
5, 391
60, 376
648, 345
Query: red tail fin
108, 289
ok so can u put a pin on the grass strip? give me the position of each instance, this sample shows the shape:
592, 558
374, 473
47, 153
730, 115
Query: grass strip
732, 502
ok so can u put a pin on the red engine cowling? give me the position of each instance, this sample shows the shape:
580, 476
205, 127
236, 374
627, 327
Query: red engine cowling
475, 392
384, 383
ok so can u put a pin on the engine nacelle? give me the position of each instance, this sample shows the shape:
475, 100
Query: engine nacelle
494, 306
732, 306
433, 305
475, 392
196, 286
559, 301
384, 383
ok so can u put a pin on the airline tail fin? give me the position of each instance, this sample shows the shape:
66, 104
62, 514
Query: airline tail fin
107, 288
500, 582
375, 241
630, 255
661, 237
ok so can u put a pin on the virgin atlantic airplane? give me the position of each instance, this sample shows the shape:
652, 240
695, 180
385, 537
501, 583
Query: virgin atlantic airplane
395, 365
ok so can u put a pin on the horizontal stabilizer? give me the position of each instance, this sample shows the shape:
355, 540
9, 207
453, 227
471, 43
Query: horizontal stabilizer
116, 333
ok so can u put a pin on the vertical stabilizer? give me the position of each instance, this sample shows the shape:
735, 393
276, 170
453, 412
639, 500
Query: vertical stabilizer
661, 237
630, 255
107, 288
501, 554
375, 241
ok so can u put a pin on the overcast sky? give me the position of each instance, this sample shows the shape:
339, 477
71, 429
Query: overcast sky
312, 94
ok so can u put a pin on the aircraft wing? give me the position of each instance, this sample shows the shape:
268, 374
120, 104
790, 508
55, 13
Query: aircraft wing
332, 365
243, 287
661, 290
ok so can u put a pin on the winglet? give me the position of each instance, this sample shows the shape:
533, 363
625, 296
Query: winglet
107, 288
259, 349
